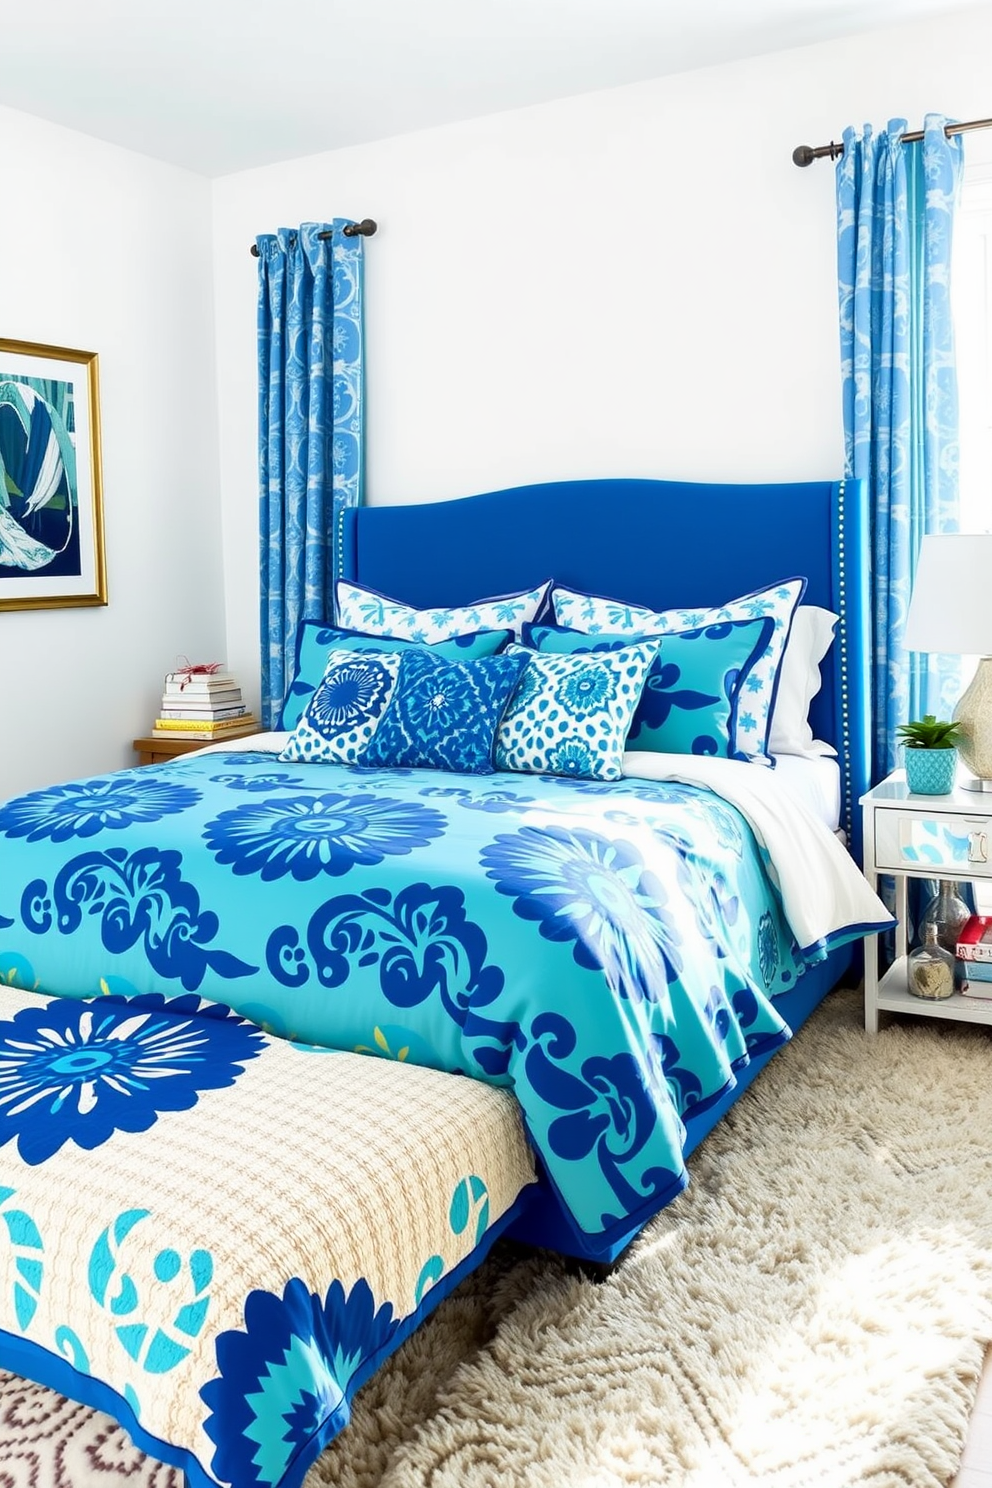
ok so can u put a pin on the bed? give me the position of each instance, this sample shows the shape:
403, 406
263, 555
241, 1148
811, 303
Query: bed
242, 991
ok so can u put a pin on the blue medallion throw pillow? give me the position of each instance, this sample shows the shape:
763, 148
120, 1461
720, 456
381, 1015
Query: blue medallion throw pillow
694, 687
314, 640
570, 714
345, 710
596, 615
443, 715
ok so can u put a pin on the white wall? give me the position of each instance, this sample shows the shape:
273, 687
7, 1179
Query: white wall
107, 251
634, 282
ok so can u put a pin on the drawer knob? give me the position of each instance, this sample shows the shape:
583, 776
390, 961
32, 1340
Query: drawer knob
978, 847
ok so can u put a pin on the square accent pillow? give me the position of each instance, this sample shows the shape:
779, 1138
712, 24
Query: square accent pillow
345, 709
314, 640
570, 714
691, 694
593, 614
375, 614
443, 715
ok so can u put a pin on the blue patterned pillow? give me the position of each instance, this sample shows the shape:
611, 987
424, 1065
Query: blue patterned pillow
593, 614
443, 715
570, 714
376, 614
345, 709
694, 686
314, 640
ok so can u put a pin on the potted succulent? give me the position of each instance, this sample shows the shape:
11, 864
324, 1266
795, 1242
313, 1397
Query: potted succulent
931, 756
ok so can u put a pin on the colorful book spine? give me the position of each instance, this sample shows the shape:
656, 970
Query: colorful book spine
973, 987
208, 734
199, 690
975, 939
206, 715
187, 725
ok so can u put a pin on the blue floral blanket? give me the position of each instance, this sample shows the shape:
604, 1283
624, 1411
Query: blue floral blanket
611, 952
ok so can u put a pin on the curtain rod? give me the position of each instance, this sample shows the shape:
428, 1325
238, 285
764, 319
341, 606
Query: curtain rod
363, 229
805, 155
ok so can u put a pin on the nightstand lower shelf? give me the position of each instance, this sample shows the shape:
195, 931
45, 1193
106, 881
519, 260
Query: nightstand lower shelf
894, 997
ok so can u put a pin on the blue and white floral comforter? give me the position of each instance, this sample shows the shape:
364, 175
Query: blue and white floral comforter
610, 952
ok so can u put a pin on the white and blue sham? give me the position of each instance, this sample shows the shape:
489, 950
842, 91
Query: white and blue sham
594, 614
345, 709
693, 687
570, 715
314, 641
376, 614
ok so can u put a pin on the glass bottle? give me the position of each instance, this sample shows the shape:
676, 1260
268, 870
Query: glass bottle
929, 968
947, 911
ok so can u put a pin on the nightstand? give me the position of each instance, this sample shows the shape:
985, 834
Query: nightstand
151, 751
908, 836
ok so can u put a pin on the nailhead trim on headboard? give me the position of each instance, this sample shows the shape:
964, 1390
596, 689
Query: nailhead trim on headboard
845, 709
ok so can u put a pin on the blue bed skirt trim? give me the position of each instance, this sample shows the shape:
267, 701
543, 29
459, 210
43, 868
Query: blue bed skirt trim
542, 1222
845, 937
33, 1362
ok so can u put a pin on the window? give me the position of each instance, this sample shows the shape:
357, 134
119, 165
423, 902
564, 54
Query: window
971, 294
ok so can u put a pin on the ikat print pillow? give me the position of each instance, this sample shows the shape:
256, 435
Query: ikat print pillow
345, 709
314, 640
570, 714
443, 715
363, 609
593, 614
691, 693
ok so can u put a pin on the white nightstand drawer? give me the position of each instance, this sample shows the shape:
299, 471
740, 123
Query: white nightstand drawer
916, 840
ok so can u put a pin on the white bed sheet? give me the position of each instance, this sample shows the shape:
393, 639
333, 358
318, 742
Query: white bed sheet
815, 781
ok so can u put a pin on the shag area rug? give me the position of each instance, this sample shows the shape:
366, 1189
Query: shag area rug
812, 1313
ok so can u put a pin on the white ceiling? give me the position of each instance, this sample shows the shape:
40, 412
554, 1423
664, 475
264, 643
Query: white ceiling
223, 85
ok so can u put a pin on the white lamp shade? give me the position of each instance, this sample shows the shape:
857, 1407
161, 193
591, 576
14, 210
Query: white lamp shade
951, 606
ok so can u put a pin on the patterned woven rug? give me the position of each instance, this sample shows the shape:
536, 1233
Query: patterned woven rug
811, 1313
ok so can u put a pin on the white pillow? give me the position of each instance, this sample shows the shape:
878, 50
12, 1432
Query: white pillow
374, 614
798, 683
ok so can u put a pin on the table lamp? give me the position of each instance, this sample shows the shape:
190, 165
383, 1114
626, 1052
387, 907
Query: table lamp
951, 611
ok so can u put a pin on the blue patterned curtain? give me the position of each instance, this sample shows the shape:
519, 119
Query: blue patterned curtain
895, 213
310, 408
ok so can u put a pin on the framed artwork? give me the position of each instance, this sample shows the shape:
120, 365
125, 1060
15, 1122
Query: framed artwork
51, 499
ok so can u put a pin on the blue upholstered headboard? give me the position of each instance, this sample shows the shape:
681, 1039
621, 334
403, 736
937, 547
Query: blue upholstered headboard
664, 544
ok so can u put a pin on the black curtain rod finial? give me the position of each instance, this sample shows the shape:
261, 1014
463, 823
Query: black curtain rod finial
805, 154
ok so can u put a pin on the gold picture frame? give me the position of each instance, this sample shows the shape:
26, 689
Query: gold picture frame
51, 482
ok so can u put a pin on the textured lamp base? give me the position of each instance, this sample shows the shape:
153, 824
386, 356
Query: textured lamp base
974, 714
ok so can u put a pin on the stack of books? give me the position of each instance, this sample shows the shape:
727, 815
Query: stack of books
974, 956
202, 702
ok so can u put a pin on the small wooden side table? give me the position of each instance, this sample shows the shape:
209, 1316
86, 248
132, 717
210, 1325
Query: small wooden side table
152, 751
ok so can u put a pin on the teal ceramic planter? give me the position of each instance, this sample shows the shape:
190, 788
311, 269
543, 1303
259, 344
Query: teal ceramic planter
930, 772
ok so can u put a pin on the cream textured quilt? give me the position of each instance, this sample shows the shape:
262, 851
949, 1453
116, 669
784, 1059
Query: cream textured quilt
216, 1235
